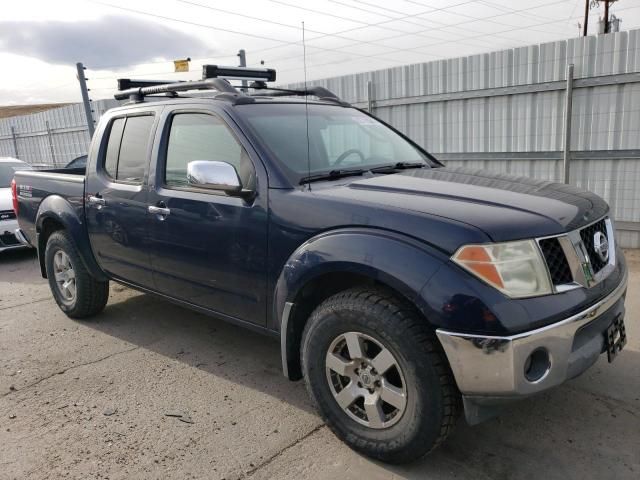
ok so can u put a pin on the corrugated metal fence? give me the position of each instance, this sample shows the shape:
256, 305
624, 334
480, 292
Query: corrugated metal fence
500, 111
53, 137
504, 112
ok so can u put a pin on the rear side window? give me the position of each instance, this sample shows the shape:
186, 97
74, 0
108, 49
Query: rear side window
113, 147
126, 154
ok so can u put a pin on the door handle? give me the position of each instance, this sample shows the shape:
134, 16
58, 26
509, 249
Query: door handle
160, 211
97, 201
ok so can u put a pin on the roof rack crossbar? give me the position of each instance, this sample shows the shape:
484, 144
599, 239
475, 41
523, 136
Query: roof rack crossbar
140, 92
127, 83
239, 73
320, 92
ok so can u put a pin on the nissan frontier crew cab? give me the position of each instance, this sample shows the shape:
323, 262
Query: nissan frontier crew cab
402, 291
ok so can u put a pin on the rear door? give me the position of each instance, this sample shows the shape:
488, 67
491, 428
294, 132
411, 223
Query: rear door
116, 196
211, 248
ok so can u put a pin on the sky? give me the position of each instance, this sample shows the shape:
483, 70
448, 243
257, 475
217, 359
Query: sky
41, 40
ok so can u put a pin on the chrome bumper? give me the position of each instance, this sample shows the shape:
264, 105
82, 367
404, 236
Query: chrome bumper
495, 366
21, 238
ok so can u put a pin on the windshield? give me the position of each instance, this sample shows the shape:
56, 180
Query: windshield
339, 138
7, 169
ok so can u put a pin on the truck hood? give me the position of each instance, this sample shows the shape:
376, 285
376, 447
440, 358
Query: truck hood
5, 199
504, 207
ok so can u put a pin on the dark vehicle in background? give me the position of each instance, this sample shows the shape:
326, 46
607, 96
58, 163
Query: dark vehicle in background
78, 162
8, 222
402, 291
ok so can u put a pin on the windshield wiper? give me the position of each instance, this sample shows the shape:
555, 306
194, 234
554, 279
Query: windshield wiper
398, 166
333, 174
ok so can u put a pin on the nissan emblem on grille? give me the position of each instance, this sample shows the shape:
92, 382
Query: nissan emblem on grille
601, 246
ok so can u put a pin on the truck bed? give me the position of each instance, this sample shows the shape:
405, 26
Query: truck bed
56, 186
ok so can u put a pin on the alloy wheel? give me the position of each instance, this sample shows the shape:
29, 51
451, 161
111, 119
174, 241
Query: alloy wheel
366, 380
65, 276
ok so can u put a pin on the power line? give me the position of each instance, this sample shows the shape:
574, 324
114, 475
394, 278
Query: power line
366, 25
520, 14
400, 19
488, 18
287, 43
438, 28
260, 37
391, 49
187, 22
475, 19
466, 38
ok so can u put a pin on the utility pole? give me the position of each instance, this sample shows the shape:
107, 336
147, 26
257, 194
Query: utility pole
85, 98
607, 17
568, 107
606, 21
14, 136
243, 63
586, 18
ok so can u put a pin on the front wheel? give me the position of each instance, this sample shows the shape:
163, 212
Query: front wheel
378, 375
75, 290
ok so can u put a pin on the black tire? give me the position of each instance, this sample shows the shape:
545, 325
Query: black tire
91, 295
432, 402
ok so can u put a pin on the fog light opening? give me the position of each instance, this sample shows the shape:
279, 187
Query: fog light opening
537, 365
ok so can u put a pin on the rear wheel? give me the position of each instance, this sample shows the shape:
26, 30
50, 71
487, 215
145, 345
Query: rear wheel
378, 375
75, 290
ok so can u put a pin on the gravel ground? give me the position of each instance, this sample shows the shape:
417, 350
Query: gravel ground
150, 390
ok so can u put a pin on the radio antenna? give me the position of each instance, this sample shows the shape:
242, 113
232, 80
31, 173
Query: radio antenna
306, 105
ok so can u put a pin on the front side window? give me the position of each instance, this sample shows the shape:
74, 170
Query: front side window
127, 148
338, 138
199, 136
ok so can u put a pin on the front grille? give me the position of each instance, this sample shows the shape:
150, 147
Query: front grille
7, 215
8, 240
556, 261
587, 234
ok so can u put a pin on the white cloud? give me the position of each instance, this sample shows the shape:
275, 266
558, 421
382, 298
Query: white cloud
348, 36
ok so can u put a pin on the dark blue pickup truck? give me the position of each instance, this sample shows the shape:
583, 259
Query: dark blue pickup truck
402, 291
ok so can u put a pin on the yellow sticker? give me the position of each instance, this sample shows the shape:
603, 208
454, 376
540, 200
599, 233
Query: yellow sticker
181, 65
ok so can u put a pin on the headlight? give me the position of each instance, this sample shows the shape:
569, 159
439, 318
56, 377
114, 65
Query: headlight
517, 269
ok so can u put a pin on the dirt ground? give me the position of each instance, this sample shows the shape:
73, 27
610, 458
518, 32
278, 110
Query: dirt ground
150, 390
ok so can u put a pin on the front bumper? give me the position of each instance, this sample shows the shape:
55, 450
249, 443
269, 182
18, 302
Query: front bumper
492, 368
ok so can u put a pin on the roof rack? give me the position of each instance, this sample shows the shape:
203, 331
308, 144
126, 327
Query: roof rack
320, 92
217, 78
239, 73
142, 88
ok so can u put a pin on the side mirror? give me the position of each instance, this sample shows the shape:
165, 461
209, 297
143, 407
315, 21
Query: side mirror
214, 175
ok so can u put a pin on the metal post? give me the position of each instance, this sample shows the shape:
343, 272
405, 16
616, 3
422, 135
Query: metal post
370, 96
243, 63
15, 140
606, 16
586, 18
85, 98
567, 123
50, 136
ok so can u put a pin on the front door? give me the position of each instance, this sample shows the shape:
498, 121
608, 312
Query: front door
116, 201
208, 248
